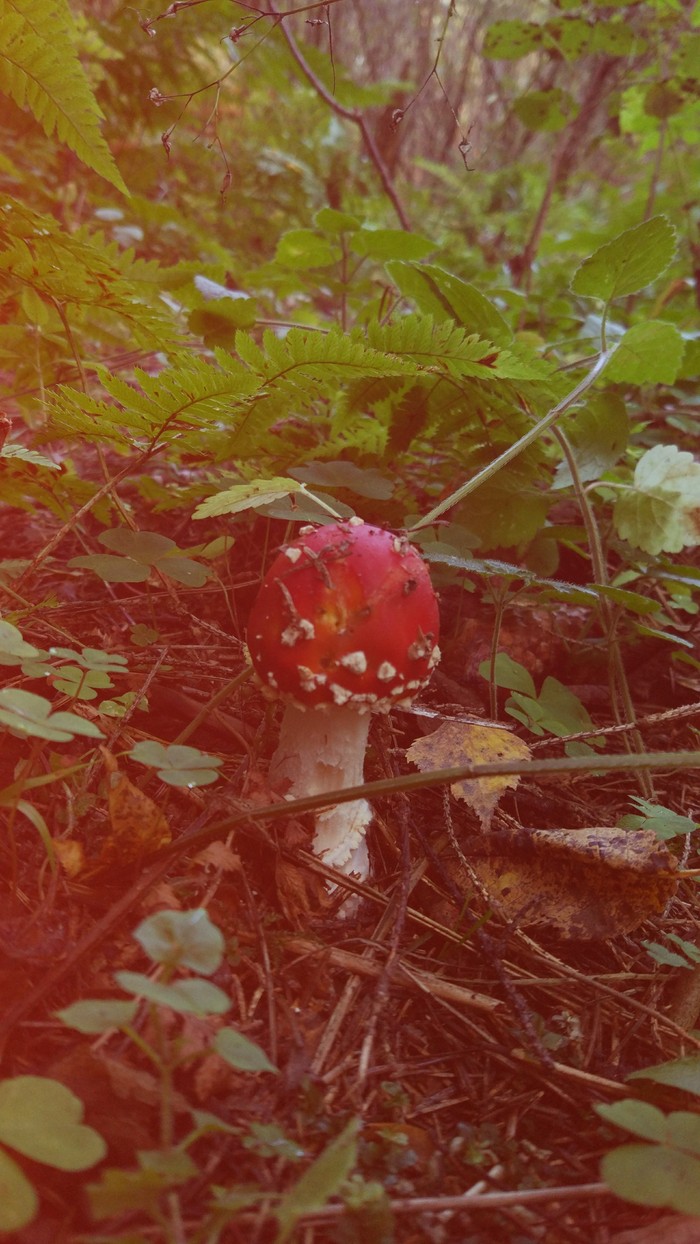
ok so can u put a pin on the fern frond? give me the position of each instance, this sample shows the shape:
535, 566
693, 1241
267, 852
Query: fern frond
447, 346
81, 271
40, 70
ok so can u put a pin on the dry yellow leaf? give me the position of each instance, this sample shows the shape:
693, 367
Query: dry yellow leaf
456, 743
590, 883
138, 826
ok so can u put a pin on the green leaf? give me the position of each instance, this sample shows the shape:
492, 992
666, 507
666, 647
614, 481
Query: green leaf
509, 40
96, 1015
41, 1119
545, 110
243, 496
598, 434
335, 222
320, 1182
146, 547
195, 997
112, 569
628, 263
19, 1202
658, 514
28, 455
241, 1053
301, 249
668, 958
649, 353
508, 673
638, 1117
364, 482
391, 244
177, 764
122, 1192
26, 713
185, 939
680, 1073
654, 1175
445, 296
617, 38
13, 649
661, 820
41, 71
80, 684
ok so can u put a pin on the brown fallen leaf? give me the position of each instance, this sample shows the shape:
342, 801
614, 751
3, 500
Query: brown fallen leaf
587, 884
455, 743
137, 824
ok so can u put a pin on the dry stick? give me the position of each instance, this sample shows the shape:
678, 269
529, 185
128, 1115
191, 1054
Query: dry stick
348, 114
199, 835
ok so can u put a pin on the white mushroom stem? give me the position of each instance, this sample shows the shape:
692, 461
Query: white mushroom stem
322, 749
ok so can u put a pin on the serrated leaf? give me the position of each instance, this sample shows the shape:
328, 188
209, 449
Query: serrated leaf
391, 244
649, 353
445, 296
96, 1015
335, 222
41, 1119
659, 513
243, 496
182, 939
598, 434
628, 263
240, 1052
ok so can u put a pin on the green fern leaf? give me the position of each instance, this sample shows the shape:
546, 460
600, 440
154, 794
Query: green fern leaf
40, 70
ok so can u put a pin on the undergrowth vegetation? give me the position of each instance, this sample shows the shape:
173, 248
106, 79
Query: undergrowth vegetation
434, 266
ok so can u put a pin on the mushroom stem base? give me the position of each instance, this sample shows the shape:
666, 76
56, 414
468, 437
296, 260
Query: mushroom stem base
323, 749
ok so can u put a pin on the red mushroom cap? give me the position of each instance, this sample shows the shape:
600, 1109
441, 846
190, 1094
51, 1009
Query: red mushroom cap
346, 614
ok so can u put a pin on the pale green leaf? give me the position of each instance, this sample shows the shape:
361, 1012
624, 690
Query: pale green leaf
243, 496
545, 110
445, 296
638, 1117
240, 1052
320, 1182
649, 353
628, 263
681, 1073
182, 939
391, 244
654, 1175
19, 1202
41, 1119
659, 512
96, 1015
196, 997
509, 40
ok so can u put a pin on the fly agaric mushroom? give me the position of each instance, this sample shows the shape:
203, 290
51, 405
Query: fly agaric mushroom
345, 624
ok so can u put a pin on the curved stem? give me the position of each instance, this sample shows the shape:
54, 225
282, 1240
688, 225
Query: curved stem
517, 448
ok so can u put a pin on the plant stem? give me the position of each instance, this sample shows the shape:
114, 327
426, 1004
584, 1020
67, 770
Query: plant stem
517, 448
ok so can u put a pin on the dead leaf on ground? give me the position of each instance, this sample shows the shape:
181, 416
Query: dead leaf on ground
455, 743
138, 824
587, 884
